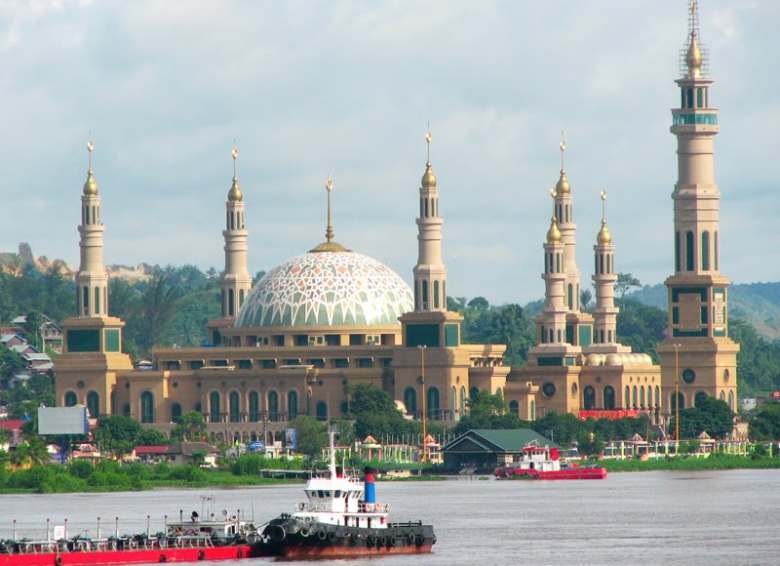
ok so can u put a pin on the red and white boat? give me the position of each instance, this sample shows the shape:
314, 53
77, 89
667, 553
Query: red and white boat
544, 463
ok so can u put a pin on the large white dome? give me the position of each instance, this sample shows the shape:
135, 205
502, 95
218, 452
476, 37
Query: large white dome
328, 288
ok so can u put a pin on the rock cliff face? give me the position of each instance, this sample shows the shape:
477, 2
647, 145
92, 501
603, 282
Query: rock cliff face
15, 263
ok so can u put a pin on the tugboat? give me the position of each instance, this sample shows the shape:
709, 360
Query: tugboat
341, 519
544, 463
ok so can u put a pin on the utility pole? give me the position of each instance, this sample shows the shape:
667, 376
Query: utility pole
423, 347
677, 395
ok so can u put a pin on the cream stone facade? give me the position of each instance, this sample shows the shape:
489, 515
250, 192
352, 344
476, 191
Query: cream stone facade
698, 358
331, 317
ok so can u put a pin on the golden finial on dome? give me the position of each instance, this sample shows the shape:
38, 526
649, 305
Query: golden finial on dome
604, 236
235, 194
90, 185
553, 234
428, 178
693, 57
329, 229
563, 187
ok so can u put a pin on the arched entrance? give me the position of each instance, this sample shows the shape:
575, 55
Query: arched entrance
609, 397
589, 398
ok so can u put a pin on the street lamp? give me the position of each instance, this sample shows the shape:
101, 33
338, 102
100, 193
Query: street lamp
677, 395
422, 348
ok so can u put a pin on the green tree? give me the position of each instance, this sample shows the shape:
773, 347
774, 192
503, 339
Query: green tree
586, 296
625, 282
710, 415
117, 434
312, 436
765, 422
374, 412
190, 428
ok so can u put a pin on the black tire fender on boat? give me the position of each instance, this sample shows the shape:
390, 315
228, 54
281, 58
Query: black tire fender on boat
433, 540
331, 536
370, 541
353, 539
322, 535
410, 538
304, 532
277, 533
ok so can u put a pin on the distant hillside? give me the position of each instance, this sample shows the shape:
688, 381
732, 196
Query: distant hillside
756, 303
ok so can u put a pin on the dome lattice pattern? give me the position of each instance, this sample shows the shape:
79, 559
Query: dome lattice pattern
327, 289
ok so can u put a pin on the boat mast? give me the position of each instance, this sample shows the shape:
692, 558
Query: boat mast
332, 464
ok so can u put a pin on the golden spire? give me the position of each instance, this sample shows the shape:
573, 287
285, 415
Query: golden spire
90, 185
693, 57
604, 237
428, 178
562, 187
235, 194
553, 234
329, 229
329, 245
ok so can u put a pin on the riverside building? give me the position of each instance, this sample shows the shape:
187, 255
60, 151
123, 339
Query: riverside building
332, 317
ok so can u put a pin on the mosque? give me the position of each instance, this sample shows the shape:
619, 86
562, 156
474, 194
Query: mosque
293, 343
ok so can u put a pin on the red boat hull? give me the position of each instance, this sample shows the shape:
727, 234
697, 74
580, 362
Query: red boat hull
568, 474
127, 556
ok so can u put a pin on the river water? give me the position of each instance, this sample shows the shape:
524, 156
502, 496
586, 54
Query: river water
646, 518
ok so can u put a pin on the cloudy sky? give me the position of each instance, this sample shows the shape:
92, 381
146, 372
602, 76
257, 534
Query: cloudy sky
346, 88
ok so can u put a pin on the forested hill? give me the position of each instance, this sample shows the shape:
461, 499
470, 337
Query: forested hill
756, 303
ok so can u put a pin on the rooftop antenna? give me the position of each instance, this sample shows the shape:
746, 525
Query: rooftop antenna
329, 229
90, 149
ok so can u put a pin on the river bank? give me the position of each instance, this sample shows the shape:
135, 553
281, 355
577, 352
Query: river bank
692, 463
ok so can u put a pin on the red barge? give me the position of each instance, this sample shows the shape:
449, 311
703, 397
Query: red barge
341, 519
544, 463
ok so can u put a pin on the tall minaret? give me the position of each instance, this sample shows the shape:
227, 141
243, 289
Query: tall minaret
236, 280
91, 279
430, 273
565, 216
604, 278
697, 292
551, 324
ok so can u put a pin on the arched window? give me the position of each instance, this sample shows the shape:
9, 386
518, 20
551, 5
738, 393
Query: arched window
214, 407
126, 409
453, 401
473, 392
322, 411
532, 410
425, 294
609, 397
254, 406
175, 412
514, 408
97, 300
234, 407
731, 400
93, 404
231, 302
436, 294
292, 405
570, 296
410, 400
673, 402
677, 243
426, 208
642, 396
722, 396
147, 407
85, 300
657, 396
634, 397
462, 401
689, 245
705, 251
700, 398
715, 249
589, 398
649, 396
433, 407
240, 298
627, 398
70, 399
273, 406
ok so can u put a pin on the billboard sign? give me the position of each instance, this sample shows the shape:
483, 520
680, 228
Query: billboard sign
61, 421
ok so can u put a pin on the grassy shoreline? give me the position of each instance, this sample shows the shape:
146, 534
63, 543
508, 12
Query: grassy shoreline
690, 464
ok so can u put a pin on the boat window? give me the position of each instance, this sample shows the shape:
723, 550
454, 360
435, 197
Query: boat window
338, 493
321, 493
